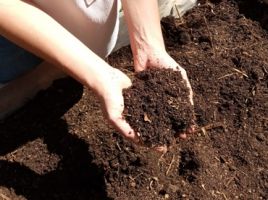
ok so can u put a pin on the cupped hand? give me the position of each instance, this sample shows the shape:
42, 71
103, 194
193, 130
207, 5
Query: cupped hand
111, 95
151, 58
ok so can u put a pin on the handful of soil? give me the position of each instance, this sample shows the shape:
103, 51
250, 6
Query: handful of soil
157, 106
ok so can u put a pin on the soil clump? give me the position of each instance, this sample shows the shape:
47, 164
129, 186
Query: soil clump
157, 106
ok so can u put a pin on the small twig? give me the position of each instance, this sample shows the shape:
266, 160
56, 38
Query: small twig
210, 35
222, 195
118, 146
242, 172
137, 175
179, 14
215, 125
204, 131
13, 152
133, 179
211, 126
227, 75
171, 163
240, 72
150, 185
161, 158
264, 69
229, 181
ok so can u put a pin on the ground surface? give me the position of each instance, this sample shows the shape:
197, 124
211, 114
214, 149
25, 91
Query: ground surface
59, 146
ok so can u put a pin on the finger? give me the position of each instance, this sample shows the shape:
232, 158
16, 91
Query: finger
124, 128
185, 77
123, 80
127, 83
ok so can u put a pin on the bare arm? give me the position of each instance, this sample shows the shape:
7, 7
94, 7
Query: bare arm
147, 42
143, 22
37, 32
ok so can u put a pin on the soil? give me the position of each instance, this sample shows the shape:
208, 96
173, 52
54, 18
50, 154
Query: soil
157, 106
59, 146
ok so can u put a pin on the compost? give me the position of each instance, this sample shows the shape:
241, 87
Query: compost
157, 106
59, 146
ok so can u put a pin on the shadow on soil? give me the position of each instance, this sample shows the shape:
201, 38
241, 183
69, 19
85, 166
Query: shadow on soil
75, 176
255, 10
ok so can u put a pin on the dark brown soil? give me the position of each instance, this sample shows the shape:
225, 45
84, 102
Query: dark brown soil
60, 147
157, 106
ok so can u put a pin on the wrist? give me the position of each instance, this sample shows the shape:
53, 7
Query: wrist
144, 45
98, 77
148, 56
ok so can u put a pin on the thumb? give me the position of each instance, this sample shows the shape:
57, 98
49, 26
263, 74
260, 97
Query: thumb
127, 82
185, 77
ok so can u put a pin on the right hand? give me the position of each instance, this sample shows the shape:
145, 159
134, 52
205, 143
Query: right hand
149, 57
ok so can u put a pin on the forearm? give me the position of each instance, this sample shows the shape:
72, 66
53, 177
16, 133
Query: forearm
143, 22
37, 32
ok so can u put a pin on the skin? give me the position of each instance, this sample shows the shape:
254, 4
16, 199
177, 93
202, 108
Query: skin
147, 41
78, 61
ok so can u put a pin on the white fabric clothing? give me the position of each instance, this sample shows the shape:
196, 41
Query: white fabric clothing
166, 8
94, 22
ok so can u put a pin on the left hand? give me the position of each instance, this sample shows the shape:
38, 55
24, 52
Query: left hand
151, 58
110, 89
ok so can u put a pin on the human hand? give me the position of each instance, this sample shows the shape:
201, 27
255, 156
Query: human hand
110, 93
151, 58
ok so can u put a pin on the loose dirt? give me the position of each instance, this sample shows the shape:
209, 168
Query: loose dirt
60, 147
157, 106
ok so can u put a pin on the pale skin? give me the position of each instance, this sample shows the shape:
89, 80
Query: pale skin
78, 61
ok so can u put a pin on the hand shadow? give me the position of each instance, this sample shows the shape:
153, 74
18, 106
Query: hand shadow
75, 176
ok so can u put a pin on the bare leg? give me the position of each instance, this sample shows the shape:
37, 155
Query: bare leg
15, 94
